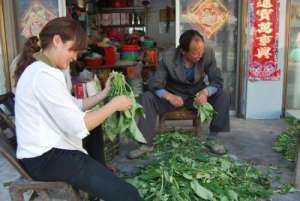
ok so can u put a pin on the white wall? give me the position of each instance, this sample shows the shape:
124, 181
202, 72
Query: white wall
164, 39
264, 98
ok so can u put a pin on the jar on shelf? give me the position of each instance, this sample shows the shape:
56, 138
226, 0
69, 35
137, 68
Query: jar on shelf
110, 55
151, 56
130, 52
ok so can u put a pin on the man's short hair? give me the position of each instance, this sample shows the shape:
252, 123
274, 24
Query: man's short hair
186, 38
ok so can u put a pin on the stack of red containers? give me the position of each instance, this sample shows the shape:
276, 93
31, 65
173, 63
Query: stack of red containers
110, 56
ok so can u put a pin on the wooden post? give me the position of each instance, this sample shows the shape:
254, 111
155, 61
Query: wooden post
161, 125
15, 194
197, 127
297, 170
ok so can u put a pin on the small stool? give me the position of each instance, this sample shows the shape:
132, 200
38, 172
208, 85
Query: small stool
181, 114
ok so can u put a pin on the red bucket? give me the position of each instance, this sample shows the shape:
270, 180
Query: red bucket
79, 90
110, 56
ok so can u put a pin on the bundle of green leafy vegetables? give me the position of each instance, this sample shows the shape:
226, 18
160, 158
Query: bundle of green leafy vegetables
123, 122
205, 112
286, 142
183, 169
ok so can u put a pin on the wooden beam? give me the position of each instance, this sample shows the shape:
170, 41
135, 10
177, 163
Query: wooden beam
297, 170
3, 44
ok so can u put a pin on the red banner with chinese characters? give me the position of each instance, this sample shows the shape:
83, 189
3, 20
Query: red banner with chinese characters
264, 18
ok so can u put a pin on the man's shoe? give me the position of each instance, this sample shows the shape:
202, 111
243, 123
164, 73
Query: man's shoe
143, 149
216, 147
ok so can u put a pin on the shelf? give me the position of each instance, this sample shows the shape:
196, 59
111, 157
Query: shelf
124, 9
120, 17
123, 25
120, 65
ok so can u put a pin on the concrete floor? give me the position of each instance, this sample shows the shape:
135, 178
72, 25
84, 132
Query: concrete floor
252, 140
249, 140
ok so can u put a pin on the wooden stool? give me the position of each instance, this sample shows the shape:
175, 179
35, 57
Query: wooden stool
181, 114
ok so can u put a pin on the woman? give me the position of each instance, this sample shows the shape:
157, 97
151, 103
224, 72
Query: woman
50, 123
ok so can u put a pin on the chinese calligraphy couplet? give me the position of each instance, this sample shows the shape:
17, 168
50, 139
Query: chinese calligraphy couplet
263, 63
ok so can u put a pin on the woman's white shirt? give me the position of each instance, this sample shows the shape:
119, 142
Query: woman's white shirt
47, 116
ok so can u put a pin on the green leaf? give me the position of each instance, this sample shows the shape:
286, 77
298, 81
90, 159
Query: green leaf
224, 198
187, 176
127, 114
233, 195
201, 191
136, 133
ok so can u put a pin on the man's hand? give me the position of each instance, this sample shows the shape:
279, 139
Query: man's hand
176, 101
201, 97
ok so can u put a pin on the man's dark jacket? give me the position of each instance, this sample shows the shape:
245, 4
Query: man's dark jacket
170, 74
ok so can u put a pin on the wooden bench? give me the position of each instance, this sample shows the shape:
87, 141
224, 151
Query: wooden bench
181, 114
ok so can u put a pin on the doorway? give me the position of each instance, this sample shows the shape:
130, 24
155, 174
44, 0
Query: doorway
218, 22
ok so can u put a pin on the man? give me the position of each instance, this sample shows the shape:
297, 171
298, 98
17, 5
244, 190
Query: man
185, 75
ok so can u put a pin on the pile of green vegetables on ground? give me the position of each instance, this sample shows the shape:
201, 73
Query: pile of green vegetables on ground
286, 143
123, 122
182, 169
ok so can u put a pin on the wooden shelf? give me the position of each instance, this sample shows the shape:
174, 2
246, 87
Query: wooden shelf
120, 65
122, 25
124, 9
129, 14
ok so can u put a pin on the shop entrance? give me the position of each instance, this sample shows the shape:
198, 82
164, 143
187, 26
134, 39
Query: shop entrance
292, 98
218, 22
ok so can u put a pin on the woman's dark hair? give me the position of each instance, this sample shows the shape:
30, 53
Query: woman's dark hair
186, 38
30, 47
67, 28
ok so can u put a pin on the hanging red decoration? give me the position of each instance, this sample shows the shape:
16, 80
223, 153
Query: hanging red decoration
263, 62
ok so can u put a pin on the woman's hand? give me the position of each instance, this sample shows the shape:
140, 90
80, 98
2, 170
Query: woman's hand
107, 87
121, 103
118, 103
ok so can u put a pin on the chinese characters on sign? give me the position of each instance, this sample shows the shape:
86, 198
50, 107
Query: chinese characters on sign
263, 63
